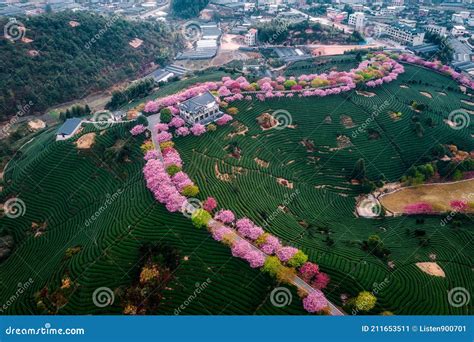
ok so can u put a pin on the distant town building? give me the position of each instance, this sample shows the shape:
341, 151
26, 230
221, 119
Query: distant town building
336, 15
358, 7
457, 18
403, 34
458, 30
389, 11
465, 14
251, 37
423, 12
439, 30
357, 20
408, 22
249, 7
201, 109
349, 2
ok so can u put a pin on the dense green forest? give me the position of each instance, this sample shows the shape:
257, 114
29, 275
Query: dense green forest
65, 61
188, 8
280, 31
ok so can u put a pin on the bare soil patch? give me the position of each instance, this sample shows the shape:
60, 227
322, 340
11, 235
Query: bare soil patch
284, 182
33, 53
36, 125
39, 228
365, 93
347, 121
225, 177
261, 162
239, 129
343, 141
431, 268
135, 43
228, 177
309, 144
86, 141
266, 121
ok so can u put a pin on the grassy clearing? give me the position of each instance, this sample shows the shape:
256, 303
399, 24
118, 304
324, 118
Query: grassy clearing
438, 195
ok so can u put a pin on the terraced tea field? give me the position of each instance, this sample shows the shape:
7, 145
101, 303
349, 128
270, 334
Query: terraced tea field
63, 190
318, 194
64, 187
322, 64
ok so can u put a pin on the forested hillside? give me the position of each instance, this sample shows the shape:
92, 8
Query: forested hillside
66, 55
188, 8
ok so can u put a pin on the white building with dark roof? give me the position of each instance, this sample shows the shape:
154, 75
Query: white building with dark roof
201, 109
68, 129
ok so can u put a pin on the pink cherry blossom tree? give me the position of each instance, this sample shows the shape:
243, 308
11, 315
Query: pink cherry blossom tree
138, 129
210, 204
198, 129
315, 301
225, 216
286, 253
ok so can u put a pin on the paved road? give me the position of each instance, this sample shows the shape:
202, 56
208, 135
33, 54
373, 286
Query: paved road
297, 281
152, 121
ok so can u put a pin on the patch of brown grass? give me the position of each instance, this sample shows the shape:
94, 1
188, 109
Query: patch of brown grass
86, 141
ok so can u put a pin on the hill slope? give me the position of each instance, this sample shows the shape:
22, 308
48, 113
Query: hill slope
66, 61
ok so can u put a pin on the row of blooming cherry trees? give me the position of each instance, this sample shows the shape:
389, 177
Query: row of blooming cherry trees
437, 66
376, 71
170, 185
